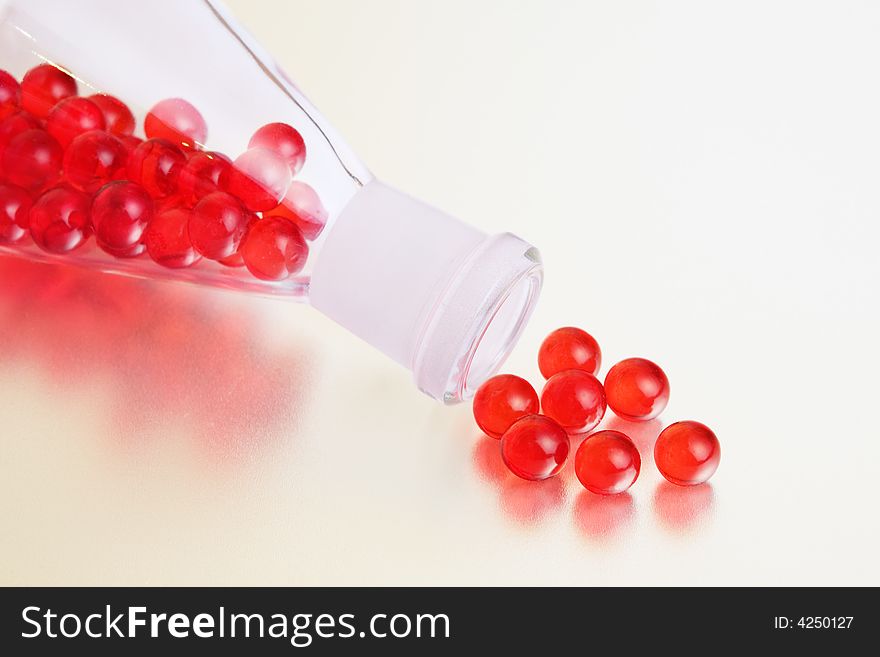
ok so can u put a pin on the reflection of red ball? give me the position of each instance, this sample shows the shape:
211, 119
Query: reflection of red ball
569, 348
636, 389
59, 220
687, 453
535, 447
607, 463
575, 399
177, 121
274, 249
501, 401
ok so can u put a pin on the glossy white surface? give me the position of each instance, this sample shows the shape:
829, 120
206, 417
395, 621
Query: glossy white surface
702, 181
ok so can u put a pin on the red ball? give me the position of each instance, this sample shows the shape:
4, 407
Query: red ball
259, 178
501, 401
121, 212
15, 206
284, 140
155, 165
177, 121
117, 116
201, 174
72, 117
302, 206
167, 239
535, 447
274, 249
10, 95
687, 453
607, 463
14, 125
43, 86
59, 220
32, 160
569, 348
217, 225
575, 399
94, 159
636, 389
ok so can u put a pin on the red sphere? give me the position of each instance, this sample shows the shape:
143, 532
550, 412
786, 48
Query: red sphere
607, 463
217, 225
284, 140
302, 206
167, 239
32, 160
94, 159
177, 121
72, 117
575, 399
535, 447
501, 401
687, 453
117, 116
201, 174
259, 178
636, 389
15, 206
43, 86
10, 95
121, 212
59, 220
274, 249
155, 165
14, 125
569, 348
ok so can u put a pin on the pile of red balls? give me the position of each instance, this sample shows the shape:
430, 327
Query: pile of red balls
535, 445
71, 167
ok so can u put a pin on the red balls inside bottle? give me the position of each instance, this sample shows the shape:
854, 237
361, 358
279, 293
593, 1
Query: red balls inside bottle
155, 165
501, 401
167, 239
535, 447
72, 117
302, 206
217, 225
607, 463
687, 453
43, 86
274, 249
121, 212
569, 348
94, 159
284, 140
177, 121
59, 220
575, 399
15, 207
10, 95
32, 160
259, 178
637, 389
118, 118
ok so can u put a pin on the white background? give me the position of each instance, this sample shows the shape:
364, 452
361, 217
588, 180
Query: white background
702, 180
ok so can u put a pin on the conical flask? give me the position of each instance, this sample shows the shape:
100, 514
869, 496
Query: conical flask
157, 139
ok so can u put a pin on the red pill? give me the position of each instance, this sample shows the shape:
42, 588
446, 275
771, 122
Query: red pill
200, 175
121, 212
59, 219
302, 206
607, 463
575, 399
167, 239
259, 178
72, 117
569, 348
32, 160
155, 165
636, 389
687, 453
217, 225
94, 159
535, 447
284, 140
117, 116
501, 401
43, 86
273, 249
15, 206
177, 121
10, 95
